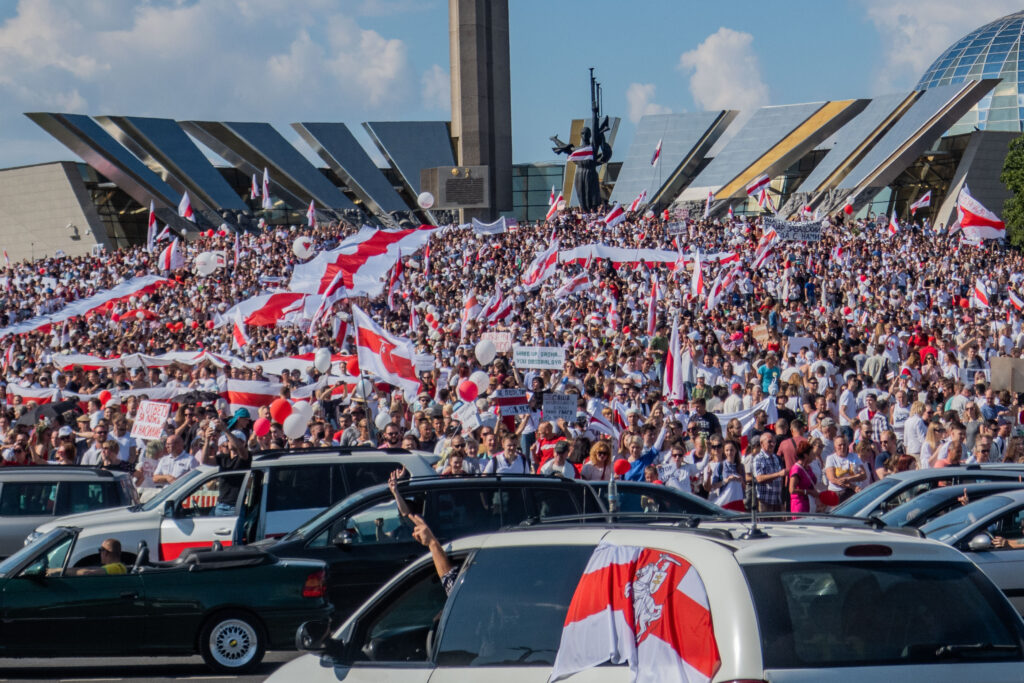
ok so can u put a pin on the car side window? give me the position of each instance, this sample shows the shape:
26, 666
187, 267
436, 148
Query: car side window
912, 492
1009, 526
201, 501
460, 512
23, 499
380, 523
83, 496
361, 475
516, 620
298, 488
52, 559
552, 502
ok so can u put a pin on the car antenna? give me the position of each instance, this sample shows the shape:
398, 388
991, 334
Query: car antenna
753, 532
613, 494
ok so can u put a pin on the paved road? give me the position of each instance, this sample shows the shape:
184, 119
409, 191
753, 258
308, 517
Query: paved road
129, 669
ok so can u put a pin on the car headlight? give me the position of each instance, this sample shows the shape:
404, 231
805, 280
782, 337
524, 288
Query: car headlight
32, 536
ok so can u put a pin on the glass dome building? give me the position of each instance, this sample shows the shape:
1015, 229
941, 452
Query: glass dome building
992, 51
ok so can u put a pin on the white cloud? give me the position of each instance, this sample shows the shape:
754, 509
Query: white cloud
915, 32
639, 98
437, 88
726, 73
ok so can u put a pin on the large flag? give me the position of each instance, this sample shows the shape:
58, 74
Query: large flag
925, 200
672, 388
584, 153
383, 355
980, 294
542, 267
1016, 301
250, 394
760, 183
311, 214
697, 280
171, 257
657, 153
642, 606
579, 283
185, 208
151, 228
640, 199
365, 259
976, 221
266, 203
615, 216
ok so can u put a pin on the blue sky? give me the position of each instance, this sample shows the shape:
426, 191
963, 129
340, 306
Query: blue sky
359, 60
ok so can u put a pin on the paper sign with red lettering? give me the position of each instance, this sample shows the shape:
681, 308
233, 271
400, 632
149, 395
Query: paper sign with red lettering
150, 420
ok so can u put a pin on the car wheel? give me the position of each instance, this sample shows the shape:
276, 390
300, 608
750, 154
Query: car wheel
232, 642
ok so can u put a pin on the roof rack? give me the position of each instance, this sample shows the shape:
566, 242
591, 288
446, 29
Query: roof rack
835, 521
54, 468
274, 454
688, 522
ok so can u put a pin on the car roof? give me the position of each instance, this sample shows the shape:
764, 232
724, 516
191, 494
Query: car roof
957, 490
58, 473
283, 458
1002, 469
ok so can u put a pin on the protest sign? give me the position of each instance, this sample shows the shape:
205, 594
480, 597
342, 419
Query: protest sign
681, 213
675, 228
502, 340
423, 362
539, 357
467, 416
797, 343
761, 334
795, 231
511, 401
150, 420
496, 228
559, 406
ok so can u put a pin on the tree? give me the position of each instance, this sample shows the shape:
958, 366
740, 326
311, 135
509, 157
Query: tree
1013, 177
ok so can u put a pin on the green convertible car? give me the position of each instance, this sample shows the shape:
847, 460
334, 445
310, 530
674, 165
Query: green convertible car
230, 606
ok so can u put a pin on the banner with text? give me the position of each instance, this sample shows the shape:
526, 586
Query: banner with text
150, 420
794, 231
539, 357
559, 406
502, 340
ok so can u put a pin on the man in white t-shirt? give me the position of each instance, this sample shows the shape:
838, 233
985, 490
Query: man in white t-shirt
177, 463
681, 470
848, 406
845, 471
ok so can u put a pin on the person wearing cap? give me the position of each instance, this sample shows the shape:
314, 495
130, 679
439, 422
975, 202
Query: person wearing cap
240, 421
558, 464
226, 448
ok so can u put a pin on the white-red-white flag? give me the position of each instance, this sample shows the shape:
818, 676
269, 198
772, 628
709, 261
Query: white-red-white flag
553, 209
584, 153
652, 308
266, 203
697, 279
657, 153
269, 309
638, 202
383, 355
613, 314
311, 214
730, 213
976, 221
426, 260
334, 293
672, 386
171, 257
239, 337
236, 249
579, 283
707, 205
254, 188
980, 297
894, 225
1015, 301
397, 278
185, 208
470, 311
151, 228
414, 321
615, 216
758, 184
642, 606
552, 197
923, 201
541, 268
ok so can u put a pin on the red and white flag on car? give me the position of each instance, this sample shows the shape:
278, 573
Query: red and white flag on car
925, 200
644, 607
383, 355
185, 208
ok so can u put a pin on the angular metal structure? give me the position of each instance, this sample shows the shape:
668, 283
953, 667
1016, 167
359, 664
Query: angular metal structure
253, 146
335, 144
411, 146
166, 149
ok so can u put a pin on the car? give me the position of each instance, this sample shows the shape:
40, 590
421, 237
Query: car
230, 605
787, 602
922, 509
896, 489
278, 493
33, 495
365, 540
972, 528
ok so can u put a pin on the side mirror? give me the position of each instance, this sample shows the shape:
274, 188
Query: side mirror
311, 636
980, 543
345, 537
169, 506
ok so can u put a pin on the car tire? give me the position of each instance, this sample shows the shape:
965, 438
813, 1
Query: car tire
232, 642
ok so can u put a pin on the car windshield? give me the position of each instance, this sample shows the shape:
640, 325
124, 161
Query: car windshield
168, 491
949, 525
851, 506
330, 513
30, 550
904, 514
880, 613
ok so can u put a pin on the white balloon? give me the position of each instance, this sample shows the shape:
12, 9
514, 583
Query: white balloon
425, 200
294, 426
382, 421
304, 409
649, 214
303, 247
322, 360
205, 264
485, 351
364, 389
140, 315
481, 380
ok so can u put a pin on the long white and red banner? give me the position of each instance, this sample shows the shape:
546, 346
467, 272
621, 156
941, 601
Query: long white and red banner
620, 256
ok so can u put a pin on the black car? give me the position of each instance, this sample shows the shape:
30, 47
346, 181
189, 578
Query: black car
365, 541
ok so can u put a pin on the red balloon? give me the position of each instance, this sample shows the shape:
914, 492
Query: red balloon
964, 303
222, 233
829, 498
847, 209
352, 366
621, 467
280, 409
195, 324
261, 427
116, 318
209, 324
104, 397
468, 390
209, 233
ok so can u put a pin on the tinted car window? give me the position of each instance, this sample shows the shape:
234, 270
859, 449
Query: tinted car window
298, 488
551, 502
953, 522
466, 511
857, 501
201, 501
361, 475
27, 498
518, 619
82, 496
879, 613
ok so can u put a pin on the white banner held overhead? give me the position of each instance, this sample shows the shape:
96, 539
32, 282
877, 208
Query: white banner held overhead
150, 420
559, 406
793, 231
539, 357
496, 228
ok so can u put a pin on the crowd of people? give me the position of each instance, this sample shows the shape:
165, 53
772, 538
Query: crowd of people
821, 368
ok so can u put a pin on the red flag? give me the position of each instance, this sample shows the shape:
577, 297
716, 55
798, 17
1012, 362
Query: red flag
976, 221
925, 200
642, 606
383, 355
584, 153
239, 337
657, 153
760, 183
185, 208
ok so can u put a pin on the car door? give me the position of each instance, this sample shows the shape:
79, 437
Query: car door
192, 522
295, 494
1005, 566
67, 615
365, 547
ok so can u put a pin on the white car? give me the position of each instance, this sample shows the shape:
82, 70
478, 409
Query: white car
277, 494
802, 603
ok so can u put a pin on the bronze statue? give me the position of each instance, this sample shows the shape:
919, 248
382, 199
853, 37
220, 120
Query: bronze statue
588, 187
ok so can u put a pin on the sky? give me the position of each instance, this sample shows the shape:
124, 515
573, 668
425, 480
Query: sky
383, 60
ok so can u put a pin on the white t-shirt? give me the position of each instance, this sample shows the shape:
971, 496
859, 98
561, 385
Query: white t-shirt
847, 406
843, 466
